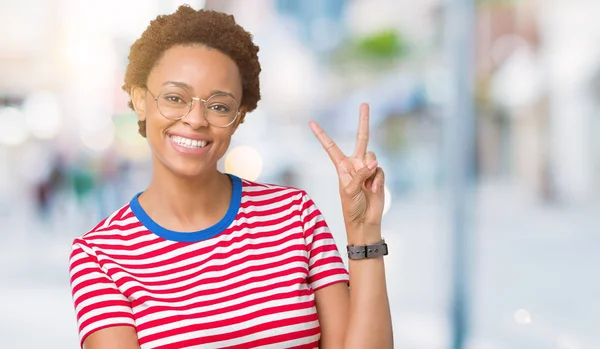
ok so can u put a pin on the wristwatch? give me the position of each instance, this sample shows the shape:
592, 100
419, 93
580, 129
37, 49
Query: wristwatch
368, 251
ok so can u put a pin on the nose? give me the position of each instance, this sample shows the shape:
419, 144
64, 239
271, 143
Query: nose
195, 118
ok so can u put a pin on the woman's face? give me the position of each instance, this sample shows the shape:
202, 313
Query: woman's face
189, 147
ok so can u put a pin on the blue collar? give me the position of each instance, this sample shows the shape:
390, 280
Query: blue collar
234, 206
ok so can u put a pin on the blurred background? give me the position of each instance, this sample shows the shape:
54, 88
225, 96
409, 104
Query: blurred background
485, 116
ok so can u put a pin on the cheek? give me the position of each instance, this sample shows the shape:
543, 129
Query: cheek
155, 126
224, 142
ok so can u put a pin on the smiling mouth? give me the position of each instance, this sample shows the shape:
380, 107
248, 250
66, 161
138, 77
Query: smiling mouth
189, 143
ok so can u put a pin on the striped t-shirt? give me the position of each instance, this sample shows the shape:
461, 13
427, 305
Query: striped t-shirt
246, 282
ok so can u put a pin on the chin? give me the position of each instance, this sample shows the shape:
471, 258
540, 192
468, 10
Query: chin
187, 164
191, 170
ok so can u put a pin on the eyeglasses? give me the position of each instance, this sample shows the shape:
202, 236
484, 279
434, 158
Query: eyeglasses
175, 103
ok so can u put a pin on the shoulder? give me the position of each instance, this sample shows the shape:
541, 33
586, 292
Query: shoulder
116, 227
274, 198
268, 190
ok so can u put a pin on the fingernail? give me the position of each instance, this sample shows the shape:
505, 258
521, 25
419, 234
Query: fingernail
372, 165
375, 187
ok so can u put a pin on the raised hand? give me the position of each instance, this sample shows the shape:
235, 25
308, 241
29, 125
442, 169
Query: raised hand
361, 180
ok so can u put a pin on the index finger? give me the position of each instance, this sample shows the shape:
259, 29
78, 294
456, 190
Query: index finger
335, 154
362, 136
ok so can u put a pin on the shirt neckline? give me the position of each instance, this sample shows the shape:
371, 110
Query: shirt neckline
195, 236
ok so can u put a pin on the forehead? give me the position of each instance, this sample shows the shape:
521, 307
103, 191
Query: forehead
202, 68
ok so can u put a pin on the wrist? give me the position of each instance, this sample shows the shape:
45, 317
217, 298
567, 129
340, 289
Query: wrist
363, 234
370, 251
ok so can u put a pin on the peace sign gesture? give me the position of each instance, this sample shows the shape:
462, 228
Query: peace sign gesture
361, 181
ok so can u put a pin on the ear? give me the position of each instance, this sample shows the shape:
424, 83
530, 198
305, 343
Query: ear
138, 99
241, 118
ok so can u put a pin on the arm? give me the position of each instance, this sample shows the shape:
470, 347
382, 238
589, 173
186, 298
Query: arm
115, 337
327, 275
359, 317
369, 319
332, 307
365, 312
104, 314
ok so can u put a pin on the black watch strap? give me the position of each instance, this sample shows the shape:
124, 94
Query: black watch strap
368, 251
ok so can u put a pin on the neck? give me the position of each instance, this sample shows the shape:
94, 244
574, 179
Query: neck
186, 203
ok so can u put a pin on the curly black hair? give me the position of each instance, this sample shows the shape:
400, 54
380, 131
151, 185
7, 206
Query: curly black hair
187, 26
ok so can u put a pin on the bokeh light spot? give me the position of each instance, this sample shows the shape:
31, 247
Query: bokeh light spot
523, 317
244, 162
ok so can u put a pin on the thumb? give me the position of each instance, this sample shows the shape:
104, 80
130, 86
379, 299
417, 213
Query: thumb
360, 177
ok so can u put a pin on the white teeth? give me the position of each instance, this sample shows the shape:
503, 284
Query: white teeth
188, 143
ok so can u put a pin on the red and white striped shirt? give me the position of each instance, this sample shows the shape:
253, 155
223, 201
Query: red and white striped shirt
246, 282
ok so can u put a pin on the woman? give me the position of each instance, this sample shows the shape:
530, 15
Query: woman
204, 259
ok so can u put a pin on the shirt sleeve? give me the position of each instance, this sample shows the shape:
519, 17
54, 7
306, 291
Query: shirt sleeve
98, 302
325, 266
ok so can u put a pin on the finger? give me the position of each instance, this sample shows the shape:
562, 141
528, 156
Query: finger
335, 154
362, 136
369, 158
378, 180
360, 178
346, 168
345, 172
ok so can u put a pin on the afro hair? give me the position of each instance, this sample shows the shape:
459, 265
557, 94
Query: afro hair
187, 26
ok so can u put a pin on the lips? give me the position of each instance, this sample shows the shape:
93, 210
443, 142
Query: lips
188, 142
190, 145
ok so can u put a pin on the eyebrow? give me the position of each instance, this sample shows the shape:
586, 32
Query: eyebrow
178, 84
190, 88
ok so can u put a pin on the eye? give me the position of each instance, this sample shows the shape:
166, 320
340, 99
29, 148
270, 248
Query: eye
220, 108
175, 100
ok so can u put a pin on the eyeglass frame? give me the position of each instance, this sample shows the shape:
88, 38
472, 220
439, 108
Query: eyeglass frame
192, 105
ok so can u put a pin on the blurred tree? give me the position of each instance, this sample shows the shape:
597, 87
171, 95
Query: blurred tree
381, 47
385, 45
